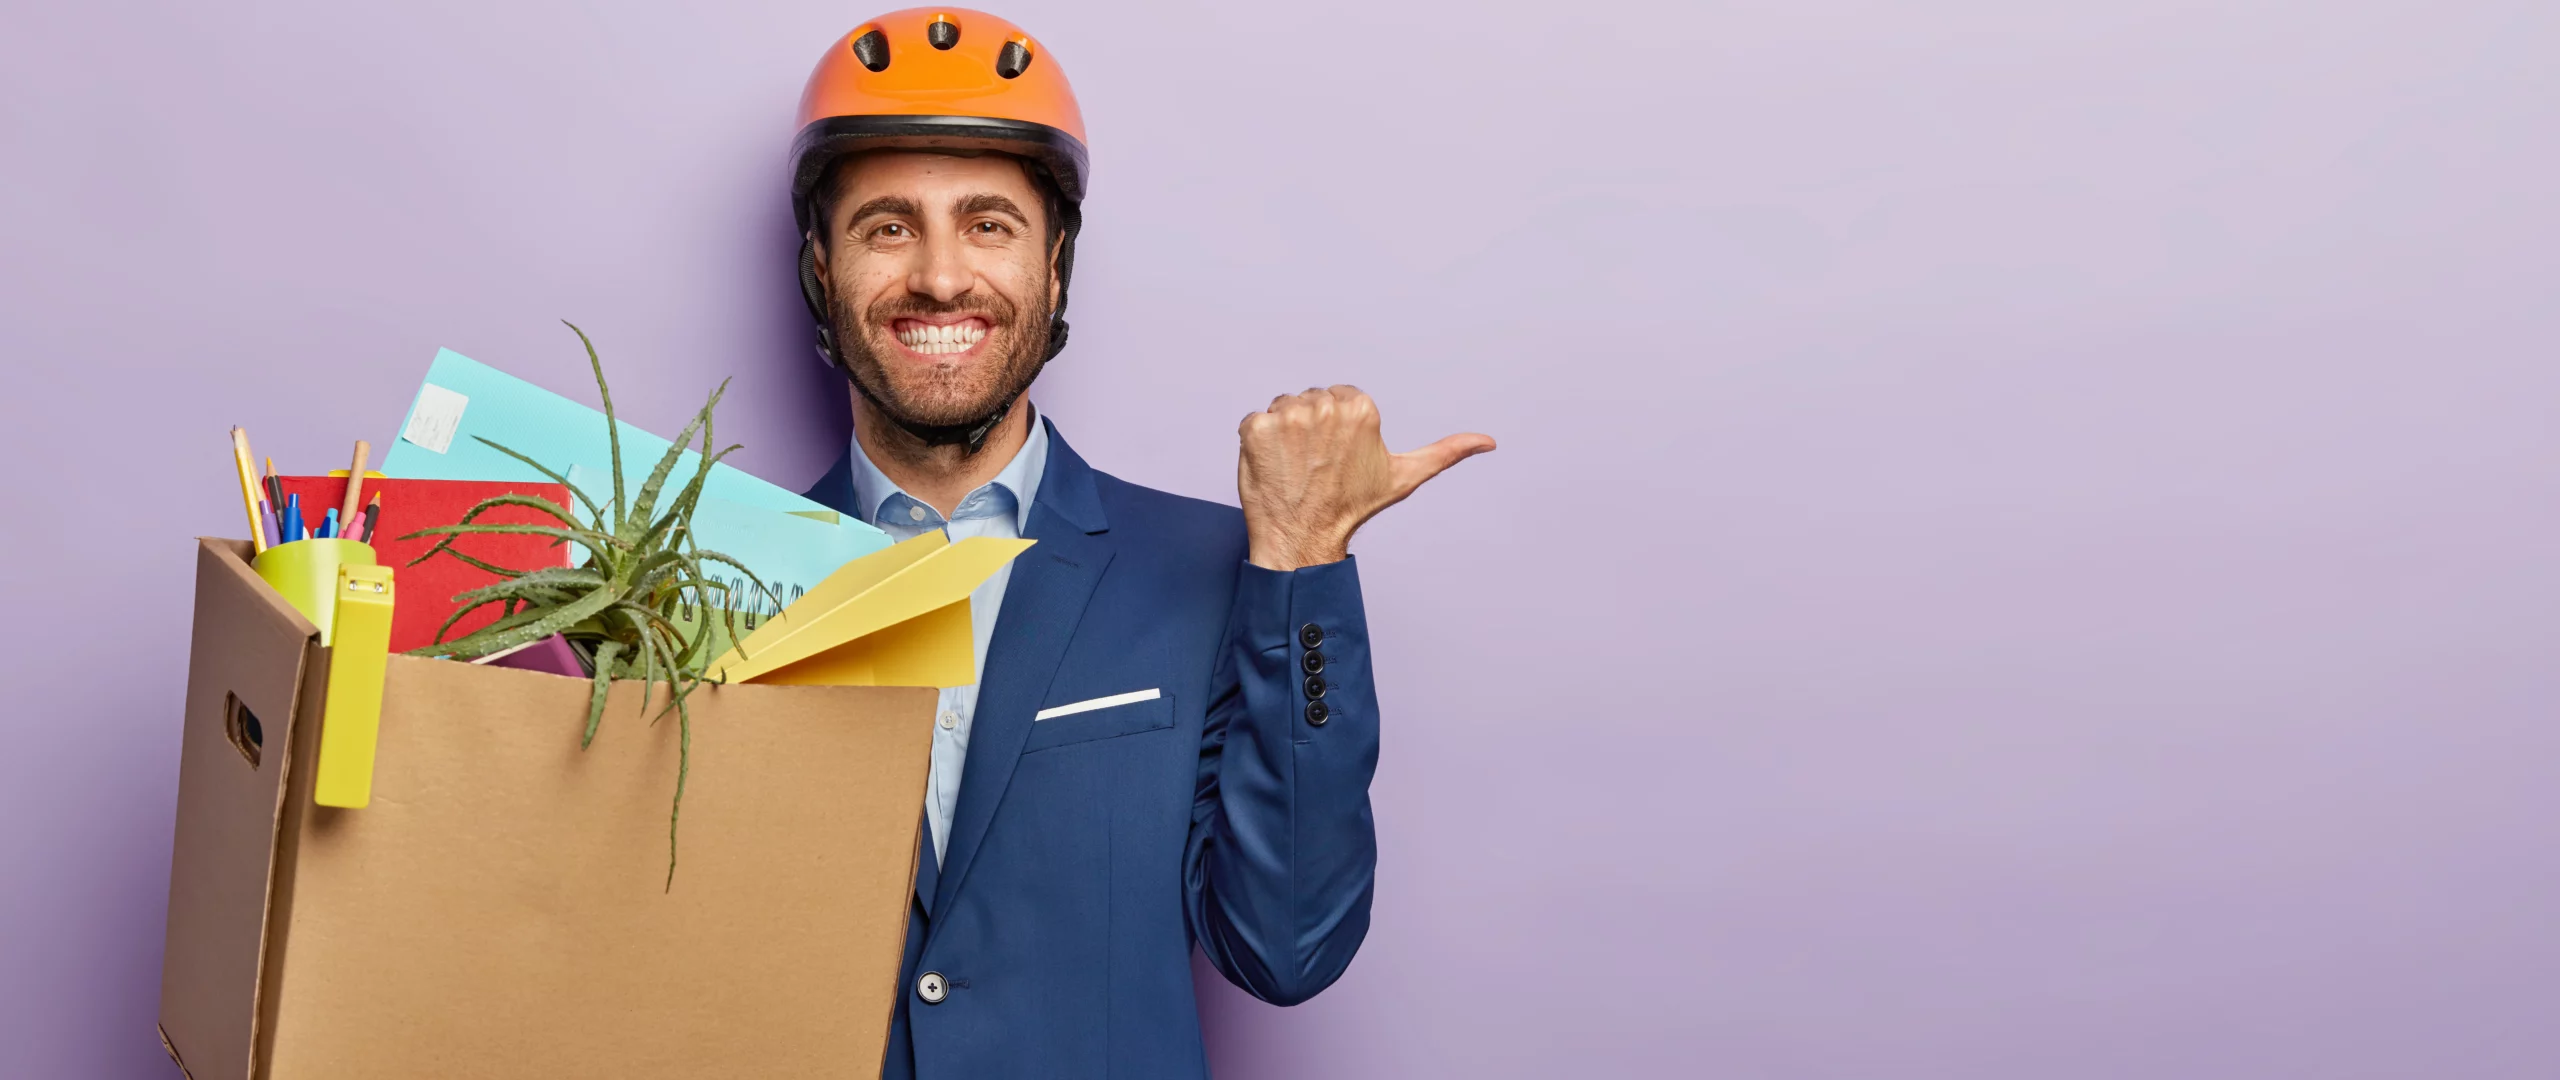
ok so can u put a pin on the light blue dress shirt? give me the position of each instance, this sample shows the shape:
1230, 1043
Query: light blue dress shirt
999, 508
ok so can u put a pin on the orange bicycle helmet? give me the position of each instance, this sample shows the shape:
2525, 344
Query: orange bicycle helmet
938, 79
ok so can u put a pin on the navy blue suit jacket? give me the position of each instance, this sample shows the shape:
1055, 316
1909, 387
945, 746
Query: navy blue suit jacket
1090, 852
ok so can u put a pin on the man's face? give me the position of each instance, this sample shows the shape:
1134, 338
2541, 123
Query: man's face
939, 283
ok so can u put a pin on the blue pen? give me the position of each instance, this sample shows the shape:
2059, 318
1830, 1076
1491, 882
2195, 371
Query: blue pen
328, 525
292, 519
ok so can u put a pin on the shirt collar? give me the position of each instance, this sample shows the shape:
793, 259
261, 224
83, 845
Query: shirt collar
883, 503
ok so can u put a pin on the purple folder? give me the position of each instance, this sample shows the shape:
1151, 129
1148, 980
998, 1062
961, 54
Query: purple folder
551, 655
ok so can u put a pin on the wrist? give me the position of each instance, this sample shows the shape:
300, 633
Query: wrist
1284, 554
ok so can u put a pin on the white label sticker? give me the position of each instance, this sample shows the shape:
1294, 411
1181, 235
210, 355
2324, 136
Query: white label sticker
437, 417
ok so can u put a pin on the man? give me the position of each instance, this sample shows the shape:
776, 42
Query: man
1172, 736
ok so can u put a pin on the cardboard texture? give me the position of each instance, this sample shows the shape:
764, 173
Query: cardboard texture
500, 908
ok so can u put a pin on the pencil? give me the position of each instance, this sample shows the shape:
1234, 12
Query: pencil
354, 501
248, 488
372, 517
275, 486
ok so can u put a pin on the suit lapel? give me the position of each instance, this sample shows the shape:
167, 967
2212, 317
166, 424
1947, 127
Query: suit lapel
835, 489
1043, 603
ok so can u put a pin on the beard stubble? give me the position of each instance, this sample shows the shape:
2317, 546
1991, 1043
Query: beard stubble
943, 395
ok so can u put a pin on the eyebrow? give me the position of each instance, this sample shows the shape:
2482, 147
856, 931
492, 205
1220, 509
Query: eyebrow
988, 202
886, 204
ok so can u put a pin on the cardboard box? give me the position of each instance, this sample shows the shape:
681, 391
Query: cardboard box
501, 908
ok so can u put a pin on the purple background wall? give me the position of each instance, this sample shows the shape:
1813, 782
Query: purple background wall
2026, 543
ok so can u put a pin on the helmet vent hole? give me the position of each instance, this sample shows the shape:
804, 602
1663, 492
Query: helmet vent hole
1014, 60
942, 33
873, 50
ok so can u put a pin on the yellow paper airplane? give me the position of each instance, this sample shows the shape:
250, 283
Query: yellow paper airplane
895, 617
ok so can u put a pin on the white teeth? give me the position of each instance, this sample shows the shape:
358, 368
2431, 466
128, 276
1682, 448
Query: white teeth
942, 340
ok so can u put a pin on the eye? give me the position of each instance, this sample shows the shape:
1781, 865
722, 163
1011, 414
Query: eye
989, 227
892, 231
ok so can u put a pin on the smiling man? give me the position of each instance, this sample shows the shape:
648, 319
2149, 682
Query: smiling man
1175, 723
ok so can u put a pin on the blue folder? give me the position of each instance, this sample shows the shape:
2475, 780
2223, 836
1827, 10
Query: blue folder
792, 543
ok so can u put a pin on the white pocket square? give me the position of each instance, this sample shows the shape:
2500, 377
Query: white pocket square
1090, 704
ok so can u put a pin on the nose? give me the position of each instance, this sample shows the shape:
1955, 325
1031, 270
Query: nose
940, 271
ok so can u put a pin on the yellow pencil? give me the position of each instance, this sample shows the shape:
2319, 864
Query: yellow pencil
248, 487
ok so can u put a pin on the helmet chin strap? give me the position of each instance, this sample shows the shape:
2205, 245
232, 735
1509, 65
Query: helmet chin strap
972, 434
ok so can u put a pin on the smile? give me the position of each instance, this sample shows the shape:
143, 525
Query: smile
943, 339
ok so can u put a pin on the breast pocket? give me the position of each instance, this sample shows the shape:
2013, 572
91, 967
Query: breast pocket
1094, 719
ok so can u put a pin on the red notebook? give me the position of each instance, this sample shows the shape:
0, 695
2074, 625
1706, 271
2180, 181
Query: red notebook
426, 591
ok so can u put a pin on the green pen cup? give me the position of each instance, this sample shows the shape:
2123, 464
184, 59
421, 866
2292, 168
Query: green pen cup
306, 572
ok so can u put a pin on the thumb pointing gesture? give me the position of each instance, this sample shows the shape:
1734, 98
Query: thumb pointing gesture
1313, 469
1408, 470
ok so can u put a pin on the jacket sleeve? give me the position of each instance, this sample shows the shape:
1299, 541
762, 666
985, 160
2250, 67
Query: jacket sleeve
1283, 856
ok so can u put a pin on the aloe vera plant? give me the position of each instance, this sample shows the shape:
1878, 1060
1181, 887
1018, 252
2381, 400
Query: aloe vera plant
621, 608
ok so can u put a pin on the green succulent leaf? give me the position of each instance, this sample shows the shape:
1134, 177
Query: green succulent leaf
467, 648
593, 511
606, 652
684, 766
536, 502
643, 572
612, 427
593, 540
645, 504
542, 625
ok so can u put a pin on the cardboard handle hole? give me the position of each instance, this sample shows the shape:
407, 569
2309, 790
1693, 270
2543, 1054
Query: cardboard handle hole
241, 725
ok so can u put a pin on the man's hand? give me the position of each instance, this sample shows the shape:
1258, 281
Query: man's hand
1313, 470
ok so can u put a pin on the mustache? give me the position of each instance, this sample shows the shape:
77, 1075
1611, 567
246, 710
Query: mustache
998, 311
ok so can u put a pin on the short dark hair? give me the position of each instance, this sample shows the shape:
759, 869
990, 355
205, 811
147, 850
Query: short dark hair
822, 207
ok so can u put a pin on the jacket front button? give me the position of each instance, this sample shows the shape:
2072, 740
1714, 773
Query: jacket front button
1311, 635
931, 987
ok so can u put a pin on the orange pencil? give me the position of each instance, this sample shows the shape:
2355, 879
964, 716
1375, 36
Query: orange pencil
354, 501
